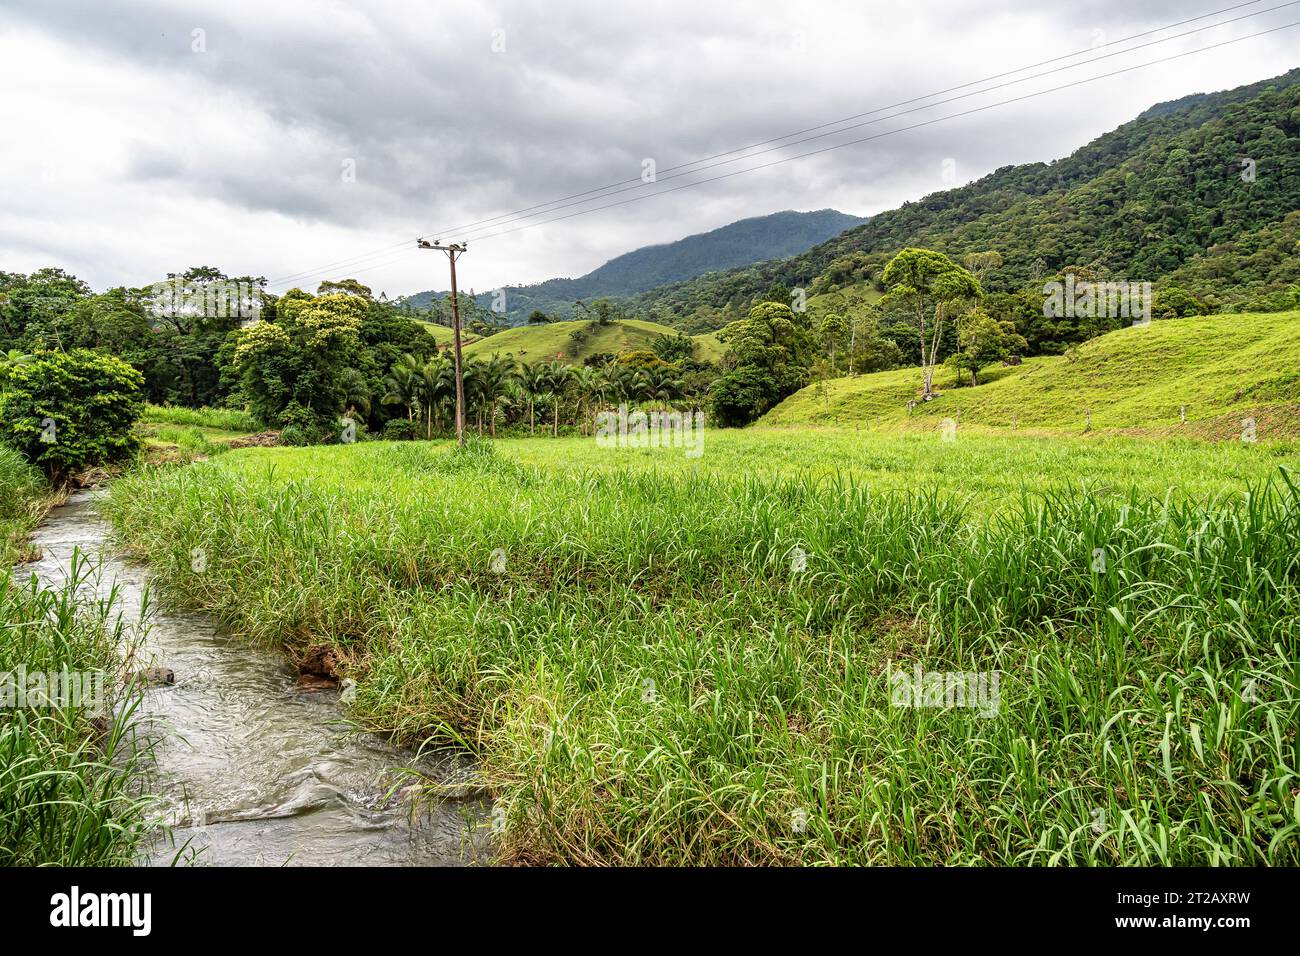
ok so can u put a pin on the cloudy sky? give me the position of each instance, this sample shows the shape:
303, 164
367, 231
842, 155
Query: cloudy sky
311, 139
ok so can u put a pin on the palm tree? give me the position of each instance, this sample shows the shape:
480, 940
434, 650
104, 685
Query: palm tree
558, 377
402, 385
661, 385
473, 376
437, 387
623, 382
495, 378
588, 383
356, 394
532, 379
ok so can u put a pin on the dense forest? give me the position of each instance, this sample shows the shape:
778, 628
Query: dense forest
1184, 180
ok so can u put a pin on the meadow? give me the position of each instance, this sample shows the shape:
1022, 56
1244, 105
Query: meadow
1196, 377
534, 343
668, 661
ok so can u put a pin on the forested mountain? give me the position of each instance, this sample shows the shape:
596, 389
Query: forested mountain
1185, 179
741, 243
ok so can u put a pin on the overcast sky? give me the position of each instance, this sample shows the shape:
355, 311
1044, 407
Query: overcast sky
277, 138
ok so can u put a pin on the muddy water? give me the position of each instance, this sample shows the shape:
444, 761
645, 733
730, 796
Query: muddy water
249, 770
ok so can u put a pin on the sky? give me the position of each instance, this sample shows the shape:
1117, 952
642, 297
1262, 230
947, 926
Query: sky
312, 140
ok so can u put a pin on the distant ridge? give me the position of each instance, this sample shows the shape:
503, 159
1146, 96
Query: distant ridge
740, 243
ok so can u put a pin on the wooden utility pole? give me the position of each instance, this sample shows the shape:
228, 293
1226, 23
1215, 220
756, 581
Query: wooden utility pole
453, 252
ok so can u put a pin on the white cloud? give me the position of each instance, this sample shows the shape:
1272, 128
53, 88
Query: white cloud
127, 155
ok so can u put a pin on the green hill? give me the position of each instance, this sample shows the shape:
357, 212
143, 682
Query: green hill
532, 343
1223, 368
443, 336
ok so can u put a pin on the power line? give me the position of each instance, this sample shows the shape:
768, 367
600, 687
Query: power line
915, 109
866, 139
903, 129
360, 258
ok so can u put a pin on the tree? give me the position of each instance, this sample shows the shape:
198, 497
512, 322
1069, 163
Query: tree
768, 356
979, 263
558, 378
661, 384
983, 341
588, 383
533, 381
925, 280
402, 385
437, 387
1175, 302
298, 361
71, 410
495, 380
601, 311
673, 348
833, 330
741, 395
356, 394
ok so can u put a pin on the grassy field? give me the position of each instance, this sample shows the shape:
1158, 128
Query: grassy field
660, 660
1223, 368
533, 343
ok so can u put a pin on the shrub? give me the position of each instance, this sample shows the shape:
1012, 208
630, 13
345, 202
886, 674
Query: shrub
401, 429
66, 411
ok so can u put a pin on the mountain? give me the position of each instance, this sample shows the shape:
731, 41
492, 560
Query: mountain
747, 241
1138, 203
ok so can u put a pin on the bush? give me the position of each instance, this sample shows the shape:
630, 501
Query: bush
401, 429
302, 426
741, 396
66, 411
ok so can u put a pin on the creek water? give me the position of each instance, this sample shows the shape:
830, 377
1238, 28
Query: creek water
248, 768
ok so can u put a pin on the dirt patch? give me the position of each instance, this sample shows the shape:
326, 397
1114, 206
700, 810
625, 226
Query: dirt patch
266, 439
319, 662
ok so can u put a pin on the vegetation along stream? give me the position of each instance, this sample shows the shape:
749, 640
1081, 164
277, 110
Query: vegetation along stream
250, 768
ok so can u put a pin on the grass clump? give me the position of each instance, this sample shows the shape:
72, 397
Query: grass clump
24, 498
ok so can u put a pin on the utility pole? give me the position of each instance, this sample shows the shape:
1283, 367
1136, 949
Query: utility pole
453, 252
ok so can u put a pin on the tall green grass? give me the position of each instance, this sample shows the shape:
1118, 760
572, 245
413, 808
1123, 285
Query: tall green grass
24, 498
70, 780
653, 676
224, 419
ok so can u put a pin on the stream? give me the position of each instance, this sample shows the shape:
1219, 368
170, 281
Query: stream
249, 769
